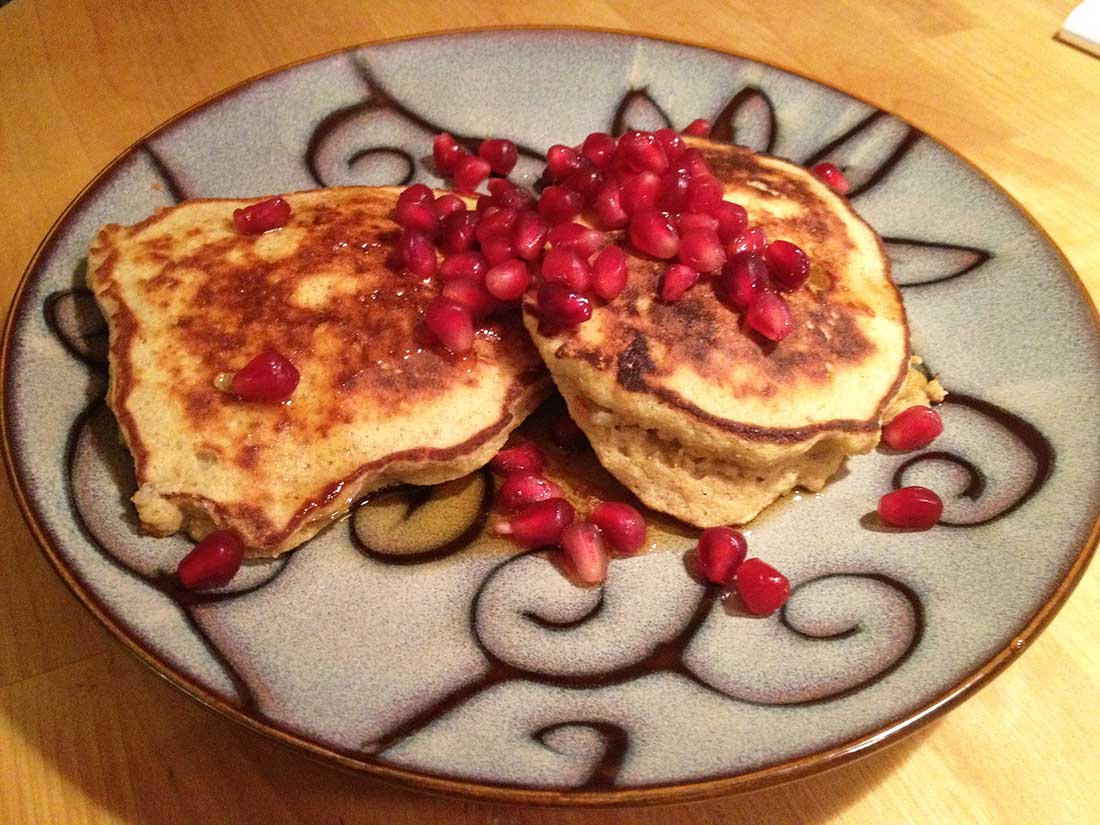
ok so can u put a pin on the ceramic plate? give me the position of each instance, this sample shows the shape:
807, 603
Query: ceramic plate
470, 667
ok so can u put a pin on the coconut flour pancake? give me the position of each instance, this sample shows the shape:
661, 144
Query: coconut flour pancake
188, 298
710, 423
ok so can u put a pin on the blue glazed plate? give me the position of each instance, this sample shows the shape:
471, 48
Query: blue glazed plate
470, 667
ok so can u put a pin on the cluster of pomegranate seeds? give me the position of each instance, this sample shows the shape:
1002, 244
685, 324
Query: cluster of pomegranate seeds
261, 217
721, 558
269, 377
213, 562
916, 508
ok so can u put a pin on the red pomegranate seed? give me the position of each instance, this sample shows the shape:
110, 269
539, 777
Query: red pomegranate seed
732, 221
584, 547
508, 280
472, 295
529, 235
525, 457
539, 524
916, 507
744, 277
502, 192
564, 266
469, 172
623, 527
565, 433
446, 152
642, 152
751, 240
417, 253
269, 377
608, 205
500, 153
913, 428
762, 588
674, 190
458, 232
561, 306
640, 192
653, 234
769, 315
470, 265
451, 323
830, 173
688, 221
598, 149
609, 273
704, 195
521, 489
415, 193
695, 164
420, 216
700, 249
678, 279
559, 204
448, 204
787, 264
484, 202
213, 562
496, 220
497, 249
561, 161
671, 142
698, 128
587, 181
720, 552
261, 217
583, 240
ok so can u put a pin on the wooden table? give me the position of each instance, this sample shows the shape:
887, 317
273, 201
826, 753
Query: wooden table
87, 734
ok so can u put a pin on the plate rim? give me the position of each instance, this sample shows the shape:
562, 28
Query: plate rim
808, 764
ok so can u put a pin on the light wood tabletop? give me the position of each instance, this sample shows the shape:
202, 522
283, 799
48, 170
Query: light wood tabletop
88, 734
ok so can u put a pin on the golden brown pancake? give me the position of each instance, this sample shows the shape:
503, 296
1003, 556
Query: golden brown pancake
188, 298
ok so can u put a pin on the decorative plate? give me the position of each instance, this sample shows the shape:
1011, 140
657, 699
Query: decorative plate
452, 662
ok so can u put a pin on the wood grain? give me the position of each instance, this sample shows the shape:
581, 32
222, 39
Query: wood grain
88, 735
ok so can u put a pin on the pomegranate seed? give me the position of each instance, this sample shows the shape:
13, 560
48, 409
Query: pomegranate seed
420, 216
496, 221
539, 524
587, 181
505, 193
704, 195
483, 203
416, 253
688, 221
561, 161
622, 525
720, 552
470, 265
674, 190
699, 127
653, 233
469, 172
671, 142
261, 217
640, 192
787, 264
519, 458
744, 277
693, 162
609, 273
446, 152
598, 149
529, 236
762, 588
451, 323
521, 489
458, 232
564, 266
732, 221
213, 562
471, 295
415, 193
584, 547
448, 204
581, 239
913, 428
769, 315
500, 153
498, 249
566, 434
269, 377
642, 152
916, 507
751, 240
608, 205
559, 204
508, 280
678, 280
830, 173
561, 306
700, 249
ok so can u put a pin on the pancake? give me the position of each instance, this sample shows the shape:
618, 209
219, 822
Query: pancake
188, 298
709, 423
